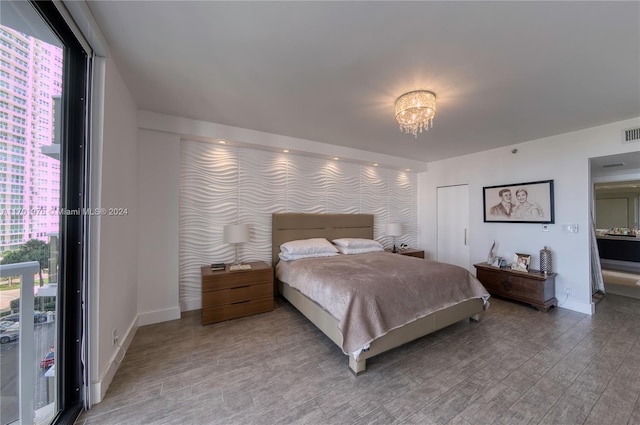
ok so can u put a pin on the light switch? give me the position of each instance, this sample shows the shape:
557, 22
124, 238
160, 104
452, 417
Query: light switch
545, 227
571, 228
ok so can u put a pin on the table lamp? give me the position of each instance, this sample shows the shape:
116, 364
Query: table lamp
394, 229
235, 234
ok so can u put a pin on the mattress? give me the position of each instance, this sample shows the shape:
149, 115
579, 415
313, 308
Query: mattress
374, 293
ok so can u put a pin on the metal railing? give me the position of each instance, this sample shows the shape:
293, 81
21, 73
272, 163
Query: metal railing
26, 356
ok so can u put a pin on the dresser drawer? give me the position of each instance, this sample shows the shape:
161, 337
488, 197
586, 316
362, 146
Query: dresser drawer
235, 310
234, 295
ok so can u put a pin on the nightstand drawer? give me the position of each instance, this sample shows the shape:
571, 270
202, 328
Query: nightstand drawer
223, 279
235, 310
239, 293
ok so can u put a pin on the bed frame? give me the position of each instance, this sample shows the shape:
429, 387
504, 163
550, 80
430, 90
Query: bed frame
293, 226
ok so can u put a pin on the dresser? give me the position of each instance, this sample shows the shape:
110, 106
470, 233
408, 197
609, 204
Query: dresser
229, 295
534, 288
418, 253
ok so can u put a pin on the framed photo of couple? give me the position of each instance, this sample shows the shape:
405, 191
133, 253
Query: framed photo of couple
530, 202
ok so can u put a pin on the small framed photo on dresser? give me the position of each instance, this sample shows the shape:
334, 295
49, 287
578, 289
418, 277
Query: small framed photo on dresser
521, 262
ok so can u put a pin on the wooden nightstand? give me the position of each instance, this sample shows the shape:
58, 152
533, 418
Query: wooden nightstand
229, 295
419, 253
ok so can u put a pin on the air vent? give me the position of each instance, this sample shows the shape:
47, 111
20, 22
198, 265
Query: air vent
631, 135
617, 164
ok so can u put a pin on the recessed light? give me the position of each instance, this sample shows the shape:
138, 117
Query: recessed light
375, 165
285, 150
336, 158
222, 142
408, 169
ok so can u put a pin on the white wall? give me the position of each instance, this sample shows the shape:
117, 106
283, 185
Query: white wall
159, 203
113, 287
564, 159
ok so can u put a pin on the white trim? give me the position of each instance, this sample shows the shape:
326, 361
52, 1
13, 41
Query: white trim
158, 316
99, 387
84, 25
579, 306
92, 307
70, 21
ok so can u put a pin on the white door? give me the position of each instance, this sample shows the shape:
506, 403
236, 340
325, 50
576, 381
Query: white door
453, 225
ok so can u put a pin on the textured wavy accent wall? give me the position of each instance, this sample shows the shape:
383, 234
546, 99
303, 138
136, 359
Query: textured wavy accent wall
221, 185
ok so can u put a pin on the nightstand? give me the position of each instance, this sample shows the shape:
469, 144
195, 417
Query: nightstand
229, 295
418, 253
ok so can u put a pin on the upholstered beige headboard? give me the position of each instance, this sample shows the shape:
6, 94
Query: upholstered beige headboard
293, 226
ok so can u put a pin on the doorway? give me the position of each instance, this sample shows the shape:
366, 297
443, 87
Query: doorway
615, 185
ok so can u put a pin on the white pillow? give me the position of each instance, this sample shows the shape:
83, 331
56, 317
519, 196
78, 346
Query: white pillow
357, 243
308, 246
348, 250
288, 257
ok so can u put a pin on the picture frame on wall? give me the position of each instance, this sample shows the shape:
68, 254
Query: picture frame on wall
530, 202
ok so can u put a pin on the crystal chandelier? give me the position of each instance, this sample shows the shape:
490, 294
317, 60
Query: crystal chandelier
415, 111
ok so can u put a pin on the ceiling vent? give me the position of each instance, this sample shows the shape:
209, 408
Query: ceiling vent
631, 135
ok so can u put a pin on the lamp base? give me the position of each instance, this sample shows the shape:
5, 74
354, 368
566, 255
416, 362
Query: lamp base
394, 250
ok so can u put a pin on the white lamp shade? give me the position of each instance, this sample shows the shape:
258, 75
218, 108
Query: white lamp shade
236, 233
393, 229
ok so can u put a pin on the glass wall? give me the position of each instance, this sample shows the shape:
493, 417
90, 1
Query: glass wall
40, 167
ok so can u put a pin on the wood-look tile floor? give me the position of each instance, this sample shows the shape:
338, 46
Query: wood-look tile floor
517, 366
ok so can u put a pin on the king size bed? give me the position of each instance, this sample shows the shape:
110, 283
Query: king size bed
370, 302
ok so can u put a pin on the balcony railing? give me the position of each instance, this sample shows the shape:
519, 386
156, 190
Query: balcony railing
26, 372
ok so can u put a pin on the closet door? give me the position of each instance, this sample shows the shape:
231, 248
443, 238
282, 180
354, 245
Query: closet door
453, 225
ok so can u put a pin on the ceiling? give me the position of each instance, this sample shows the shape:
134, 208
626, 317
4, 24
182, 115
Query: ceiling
329, 72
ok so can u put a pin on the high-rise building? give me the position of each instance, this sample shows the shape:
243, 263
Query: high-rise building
30, 89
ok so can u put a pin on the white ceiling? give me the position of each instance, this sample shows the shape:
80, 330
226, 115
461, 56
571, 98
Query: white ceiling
504, 72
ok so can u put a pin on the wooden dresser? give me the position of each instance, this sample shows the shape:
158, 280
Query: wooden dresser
229, 295
534, 287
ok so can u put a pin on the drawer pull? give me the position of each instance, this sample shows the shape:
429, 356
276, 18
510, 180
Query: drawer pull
240, 287
241, 302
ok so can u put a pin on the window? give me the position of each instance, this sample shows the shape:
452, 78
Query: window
57, 396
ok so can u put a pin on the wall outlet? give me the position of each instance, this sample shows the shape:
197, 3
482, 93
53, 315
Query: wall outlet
545, 227
115, 336
567, 290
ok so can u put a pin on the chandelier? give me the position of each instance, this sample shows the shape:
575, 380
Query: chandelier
415, 111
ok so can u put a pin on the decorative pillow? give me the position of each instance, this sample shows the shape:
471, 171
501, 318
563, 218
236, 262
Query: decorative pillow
288, 257
348, 250
308, 246
357, 243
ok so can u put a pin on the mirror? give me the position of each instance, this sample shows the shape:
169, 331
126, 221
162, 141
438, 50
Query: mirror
617, 204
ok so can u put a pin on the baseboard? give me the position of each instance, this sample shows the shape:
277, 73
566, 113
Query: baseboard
158, 316
578, 306
99, 388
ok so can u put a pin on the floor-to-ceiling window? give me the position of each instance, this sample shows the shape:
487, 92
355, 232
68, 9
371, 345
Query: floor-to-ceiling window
43, 150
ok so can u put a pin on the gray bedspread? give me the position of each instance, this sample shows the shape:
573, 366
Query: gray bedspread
371, 294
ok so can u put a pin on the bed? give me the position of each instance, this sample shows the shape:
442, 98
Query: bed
297, 226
